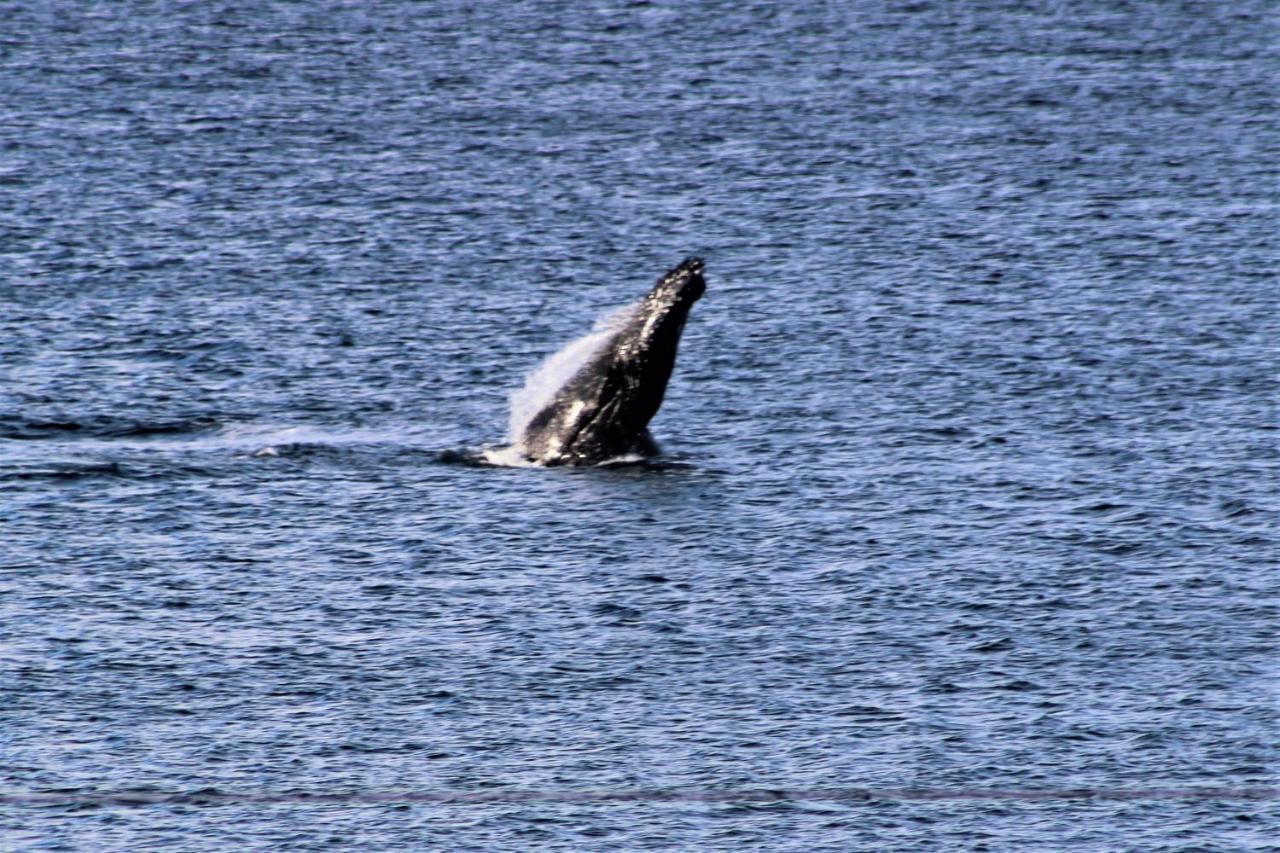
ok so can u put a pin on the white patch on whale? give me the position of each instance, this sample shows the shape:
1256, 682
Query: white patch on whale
541, 385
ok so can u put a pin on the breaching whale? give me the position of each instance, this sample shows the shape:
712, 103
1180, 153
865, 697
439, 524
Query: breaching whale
603, 410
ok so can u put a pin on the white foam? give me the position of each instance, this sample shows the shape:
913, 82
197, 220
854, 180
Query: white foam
623, 459
511, 456
508, 456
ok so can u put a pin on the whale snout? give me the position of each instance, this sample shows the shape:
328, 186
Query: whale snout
685, 282
688, 267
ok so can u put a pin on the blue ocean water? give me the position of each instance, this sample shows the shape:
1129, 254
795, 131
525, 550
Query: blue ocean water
971, 462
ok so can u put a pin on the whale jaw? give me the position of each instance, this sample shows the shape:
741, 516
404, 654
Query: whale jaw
603, 411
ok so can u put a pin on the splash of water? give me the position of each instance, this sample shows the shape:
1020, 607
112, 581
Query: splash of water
506, 456
541, 385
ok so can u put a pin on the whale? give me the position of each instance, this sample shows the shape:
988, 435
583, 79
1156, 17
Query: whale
602, 411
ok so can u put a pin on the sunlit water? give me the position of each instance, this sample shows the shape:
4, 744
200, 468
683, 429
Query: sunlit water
970, 479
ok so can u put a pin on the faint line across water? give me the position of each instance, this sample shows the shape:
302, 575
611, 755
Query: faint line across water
213, 797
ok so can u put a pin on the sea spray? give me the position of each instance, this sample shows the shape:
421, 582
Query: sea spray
550, 376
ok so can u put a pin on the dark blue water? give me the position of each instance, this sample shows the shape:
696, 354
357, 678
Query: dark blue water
971, 478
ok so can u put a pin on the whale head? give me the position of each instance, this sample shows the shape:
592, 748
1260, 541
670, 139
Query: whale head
659, 318
682, 286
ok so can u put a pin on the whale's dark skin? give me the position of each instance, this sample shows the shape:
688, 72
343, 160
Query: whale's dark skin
604, 410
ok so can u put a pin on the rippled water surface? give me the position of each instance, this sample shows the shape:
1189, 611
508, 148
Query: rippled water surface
971, 465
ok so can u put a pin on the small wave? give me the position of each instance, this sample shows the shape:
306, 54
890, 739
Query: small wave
510, 456
64, 471
505, 456
291, 450
161, 428
262, 441
101, 427
308, 450
1235, 508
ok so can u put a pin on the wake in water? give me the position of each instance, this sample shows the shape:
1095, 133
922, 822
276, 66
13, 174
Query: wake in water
100, 445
